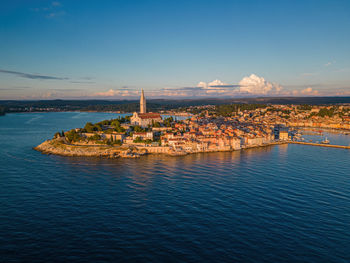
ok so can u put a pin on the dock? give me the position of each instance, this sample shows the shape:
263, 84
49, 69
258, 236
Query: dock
320, 144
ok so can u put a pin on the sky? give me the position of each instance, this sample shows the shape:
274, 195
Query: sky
174, 49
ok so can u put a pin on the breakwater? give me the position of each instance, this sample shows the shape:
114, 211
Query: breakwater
320, 144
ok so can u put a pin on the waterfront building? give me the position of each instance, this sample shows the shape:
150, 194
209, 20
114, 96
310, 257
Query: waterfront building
143, 135
283, 135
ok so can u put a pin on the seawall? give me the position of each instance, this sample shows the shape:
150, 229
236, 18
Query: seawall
320, 145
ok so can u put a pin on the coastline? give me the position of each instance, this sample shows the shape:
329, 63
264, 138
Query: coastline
62, 148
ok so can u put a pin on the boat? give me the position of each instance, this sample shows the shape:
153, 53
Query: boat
325, 141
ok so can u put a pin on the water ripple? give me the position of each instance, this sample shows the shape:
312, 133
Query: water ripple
274, 204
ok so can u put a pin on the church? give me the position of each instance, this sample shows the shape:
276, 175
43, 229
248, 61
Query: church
143, 118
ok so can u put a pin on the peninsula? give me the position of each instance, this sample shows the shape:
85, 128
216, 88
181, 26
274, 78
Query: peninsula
206, 129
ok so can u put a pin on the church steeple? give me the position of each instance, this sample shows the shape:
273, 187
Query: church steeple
142, 102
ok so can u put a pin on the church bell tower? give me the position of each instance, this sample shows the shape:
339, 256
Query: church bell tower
142, 102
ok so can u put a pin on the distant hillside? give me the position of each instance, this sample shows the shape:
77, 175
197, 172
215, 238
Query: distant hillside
2, 110
153, 104
261, 100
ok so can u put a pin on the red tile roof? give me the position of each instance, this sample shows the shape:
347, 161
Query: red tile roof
149, 115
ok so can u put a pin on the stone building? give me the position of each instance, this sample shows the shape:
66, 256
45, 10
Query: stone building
143, 118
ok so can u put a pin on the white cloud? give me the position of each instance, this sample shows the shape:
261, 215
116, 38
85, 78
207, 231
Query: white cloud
252, 85
305, 92
116, 93
215, 83
309, 91
215, 86
211, 85
329, 63
256, 85
202, 85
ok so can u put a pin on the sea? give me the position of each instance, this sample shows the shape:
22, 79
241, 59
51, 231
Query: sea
284, 203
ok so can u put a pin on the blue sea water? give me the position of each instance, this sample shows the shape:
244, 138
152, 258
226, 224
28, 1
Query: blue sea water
287, 203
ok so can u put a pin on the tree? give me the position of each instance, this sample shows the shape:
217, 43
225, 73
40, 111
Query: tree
119, 129
95, 137
138, 128
138, 140
2, 110
326, 112
117, 142
89, 127
168, 121
105, 122
148, 141
156, 124
97, 127
115, 123
73, 136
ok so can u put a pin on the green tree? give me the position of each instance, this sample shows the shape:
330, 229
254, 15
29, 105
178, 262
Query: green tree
119, 129
73, 136
115, 123
168, 121
156, 124
138, 128
89, 127
138, 140
148, 141
95, 137
97, 127
2, 110
117, 142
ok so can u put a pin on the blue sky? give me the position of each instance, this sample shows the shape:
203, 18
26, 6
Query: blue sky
112, 49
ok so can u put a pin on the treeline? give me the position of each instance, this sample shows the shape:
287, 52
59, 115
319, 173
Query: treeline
129, 107
326, 112
305, 107
81, 105
158, 104
227, 110
2, 110
114, 124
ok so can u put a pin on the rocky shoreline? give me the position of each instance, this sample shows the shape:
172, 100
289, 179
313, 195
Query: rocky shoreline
61, 147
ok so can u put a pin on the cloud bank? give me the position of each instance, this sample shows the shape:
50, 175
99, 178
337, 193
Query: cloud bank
258, 86
250, 86
117, 93
31, 76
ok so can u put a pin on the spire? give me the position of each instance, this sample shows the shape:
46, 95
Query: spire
142, 102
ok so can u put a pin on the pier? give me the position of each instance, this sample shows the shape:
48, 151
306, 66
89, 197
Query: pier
320, 144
